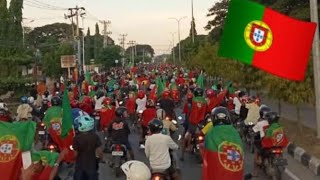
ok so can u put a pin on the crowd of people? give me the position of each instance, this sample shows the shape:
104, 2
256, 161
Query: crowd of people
142, 98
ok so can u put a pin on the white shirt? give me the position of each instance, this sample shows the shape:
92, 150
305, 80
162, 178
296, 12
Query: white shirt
237, 104
259, 127
98, 104
253, 113
141, 104
157, 151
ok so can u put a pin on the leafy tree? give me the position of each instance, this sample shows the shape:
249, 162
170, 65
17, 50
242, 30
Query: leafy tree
4, 18
219, 12
15, 18
52, 65
108, 55
193, 28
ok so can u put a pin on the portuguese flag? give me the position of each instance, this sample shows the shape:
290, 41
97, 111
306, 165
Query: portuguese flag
268, 40
198, 110
47, 157
15, 138
223, 154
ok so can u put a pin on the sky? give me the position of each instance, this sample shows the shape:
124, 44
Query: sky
145, 21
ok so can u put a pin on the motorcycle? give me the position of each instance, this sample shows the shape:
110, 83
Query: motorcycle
97, 117
273, 163
42, 133
249, 136
118, 157
196, 141
159, 176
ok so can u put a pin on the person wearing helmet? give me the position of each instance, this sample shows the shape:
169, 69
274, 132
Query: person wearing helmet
157, 149
87, 147
136, 170
107, 113
197, 114
167, 104
131, 106
119, 130
222, 137
24, 109
275, 136
86, 105
141, 101
253, 111
214, 99
147, 115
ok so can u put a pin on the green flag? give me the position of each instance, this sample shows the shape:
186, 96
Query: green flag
160, 86
15, 138
67, 115
47, 157
88, 78
200, 81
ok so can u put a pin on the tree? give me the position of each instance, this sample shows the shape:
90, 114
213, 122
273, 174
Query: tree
219, 12
15, 18
52, 65
4, 18
193, 28
108, 55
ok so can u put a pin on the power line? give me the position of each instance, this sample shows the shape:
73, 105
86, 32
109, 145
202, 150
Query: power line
42, 6
39, 3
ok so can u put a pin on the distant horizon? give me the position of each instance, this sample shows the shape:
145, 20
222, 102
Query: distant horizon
153, 18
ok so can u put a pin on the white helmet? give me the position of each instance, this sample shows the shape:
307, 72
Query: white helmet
136, 170
30, 100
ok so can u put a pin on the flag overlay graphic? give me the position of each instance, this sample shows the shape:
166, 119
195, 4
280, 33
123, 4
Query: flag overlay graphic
266, 39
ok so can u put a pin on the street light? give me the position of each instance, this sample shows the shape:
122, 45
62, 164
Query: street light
173, 52
178, 21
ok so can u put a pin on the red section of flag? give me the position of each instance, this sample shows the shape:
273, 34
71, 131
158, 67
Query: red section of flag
213, 169
289, 53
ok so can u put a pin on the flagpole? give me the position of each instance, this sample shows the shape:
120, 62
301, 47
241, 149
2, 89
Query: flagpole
316, 60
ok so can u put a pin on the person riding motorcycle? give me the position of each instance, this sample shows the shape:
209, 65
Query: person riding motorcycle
136, 170
24, 109
98, 99
167, 104
149, 114
225, 138
86, 105
107, 113
88, 150
119, 130
141, 101
157, 150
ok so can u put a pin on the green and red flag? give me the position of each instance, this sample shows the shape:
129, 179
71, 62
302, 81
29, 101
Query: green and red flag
46, 157
258, 36
223, 154
160, 86
15, 138
67, 132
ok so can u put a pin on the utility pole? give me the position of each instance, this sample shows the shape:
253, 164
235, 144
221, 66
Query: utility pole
132, 44
143, 55
75, 12
105, 32
83, 52
316, 61
192, 22
122, 43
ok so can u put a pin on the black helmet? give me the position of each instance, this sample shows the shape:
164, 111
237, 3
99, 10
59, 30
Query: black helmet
133, 88
198, 92
120, 111
272, 117
155, 126
220, 116
56, 101
46, 93
99, 94
263, 110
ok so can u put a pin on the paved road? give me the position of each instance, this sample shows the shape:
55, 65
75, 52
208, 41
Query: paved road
192, 171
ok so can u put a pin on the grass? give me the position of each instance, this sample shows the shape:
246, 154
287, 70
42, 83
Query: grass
307, 140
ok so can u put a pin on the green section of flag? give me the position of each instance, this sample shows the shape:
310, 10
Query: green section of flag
88, 78
160, 86
200, 99
220, 134
47, 157
24, 132
233, 44
67, 115
275, 127
53, 113
200, 81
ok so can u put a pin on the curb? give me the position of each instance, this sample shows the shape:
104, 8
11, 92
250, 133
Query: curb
304, 158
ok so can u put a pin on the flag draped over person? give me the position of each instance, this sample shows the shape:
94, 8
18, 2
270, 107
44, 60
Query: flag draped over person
223, 154
15, 138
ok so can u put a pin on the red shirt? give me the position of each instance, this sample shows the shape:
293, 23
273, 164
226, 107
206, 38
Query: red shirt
107, 115
148, 115
131, 105
180, 81
86, 108
215, 101
198, 112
